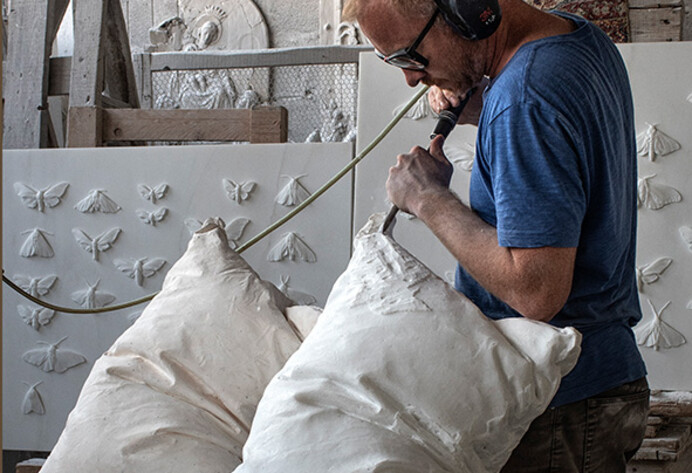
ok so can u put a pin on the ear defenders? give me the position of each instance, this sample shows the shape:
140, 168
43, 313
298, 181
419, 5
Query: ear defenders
472, 19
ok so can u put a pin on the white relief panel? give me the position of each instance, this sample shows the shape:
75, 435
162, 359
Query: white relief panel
173, 190
664, 254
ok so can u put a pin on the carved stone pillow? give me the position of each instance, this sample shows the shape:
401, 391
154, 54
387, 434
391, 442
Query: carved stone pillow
177, 391
402, 373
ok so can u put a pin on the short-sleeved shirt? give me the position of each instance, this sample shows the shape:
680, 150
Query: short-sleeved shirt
556, 166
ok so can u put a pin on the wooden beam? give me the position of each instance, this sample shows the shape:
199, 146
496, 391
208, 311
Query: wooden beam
84, 127
269, 125
257, 58
671, 403
119, 74
656, 24
59, 75
32, 26
264, 125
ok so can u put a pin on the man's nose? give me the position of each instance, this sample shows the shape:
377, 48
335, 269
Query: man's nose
413, 77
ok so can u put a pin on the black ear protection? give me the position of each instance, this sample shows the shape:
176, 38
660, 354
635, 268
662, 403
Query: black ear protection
472, 19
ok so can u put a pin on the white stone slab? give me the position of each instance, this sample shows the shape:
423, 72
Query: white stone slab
660, 75
381, 90
194, 177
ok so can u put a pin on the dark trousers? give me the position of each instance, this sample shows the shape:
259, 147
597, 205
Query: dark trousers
596, 435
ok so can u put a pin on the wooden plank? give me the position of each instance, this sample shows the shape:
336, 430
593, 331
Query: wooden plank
86, 79
176, 125
656, 24
654, 3
330, 18
269, 125
671, 403
258, 126
59, 69
84, 127
26, 72
140, 17
256, 58
119, 75
669, 438
142, 69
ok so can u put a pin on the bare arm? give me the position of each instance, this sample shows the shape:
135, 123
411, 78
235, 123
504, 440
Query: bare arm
533, 281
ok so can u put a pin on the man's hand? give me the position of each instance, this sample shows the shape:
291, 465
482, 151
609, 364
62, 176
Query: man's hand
441, 99
417, 174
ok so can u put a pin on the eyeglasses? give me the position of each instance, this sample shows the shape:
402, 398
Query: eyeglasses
409, 58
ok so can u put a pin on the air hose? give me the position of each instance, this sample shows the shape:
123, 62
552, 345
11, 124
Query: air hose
376, 141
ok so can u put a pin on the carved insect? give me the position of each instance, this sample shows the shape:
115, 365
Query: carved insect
655, 196
141, 268
463, 156
296, 296
35, 317
653, 143
36, 286
97, 201
686, 235
53, 358
292, 247
36, 244
32, 400
650, 273
97, 245
421, 109
656, 333
293, 193
238, 192
92, 298
152, 218
234, 229
153, 194
40, 199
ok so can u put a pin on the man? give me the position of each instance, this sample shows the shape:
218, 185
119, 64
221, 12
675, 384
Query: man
551, 228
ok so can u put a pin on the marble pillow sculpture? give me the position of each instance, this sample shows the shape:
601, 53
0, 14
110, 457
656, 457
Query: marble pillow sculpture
401, 374
177, 391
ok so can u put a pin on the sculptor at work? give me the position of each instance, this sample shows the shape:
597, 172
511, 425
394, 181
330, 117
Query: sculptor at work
550, 229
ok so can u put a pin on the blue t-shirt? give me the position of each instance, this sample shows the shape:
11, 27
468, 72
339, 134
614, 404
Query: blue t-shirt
556, 166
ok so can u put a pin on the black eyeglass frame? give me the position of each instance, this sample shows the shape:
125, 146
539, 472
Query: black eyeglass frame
409, 58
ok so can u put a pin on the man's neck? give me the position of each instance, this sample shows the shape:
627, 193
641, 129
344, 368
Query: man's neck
521, 24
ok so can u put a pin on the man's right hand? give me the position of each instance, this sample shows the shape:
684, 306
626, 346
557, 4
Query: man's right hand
441, 99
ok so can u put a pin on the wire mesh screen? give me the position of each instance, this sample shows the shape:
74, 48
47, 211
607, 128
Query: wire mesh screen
321, 99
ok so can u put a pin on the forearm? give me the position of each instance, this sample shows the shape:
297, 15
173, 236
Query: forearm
533, 281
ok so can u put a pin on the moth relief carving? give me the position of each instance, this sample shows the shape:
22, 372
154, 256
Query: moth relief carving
50, 357
153, 194
35, 317
653, 143
152, 218
39, 199
293, 248
36, 286
234, 229
656, 333
97, 201
293, 193
299, 297
92, 297
654, 195
238, 192
421, 109
650, 273
32, 402
36, 244
686, 235
96, 245
141, 268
